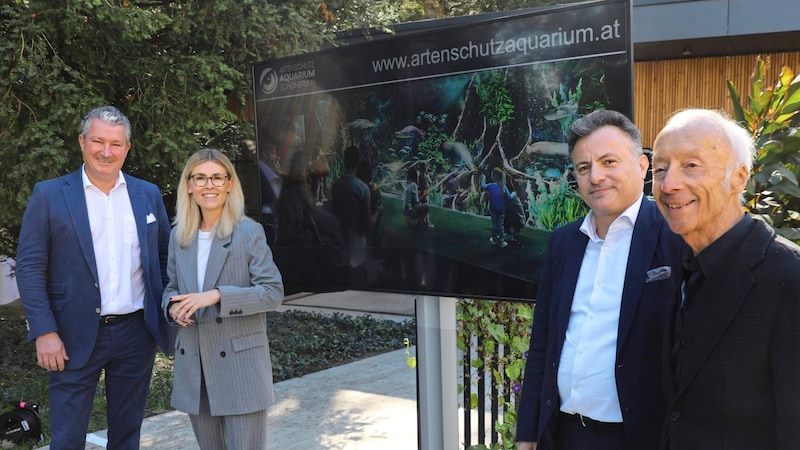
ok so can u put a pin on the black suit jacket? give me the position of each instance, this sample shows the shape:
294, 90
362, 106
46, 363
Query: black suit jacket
643, 314
739, 358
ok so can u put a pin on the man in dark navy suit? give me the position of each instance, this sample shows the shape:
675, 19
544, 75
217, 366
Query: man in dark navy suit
91, 267
593, 375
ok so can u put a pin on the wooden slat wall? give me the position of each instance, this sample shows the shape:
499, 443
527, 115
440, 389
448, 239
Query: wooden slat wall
662, 87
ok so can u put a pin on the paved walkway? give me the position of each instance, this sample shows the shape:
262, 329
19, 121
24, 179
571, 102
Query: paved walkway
365, 405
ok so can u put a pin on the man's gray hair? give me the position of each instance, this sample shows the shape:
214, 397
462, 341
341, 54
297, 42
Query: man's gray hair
600, 118
108, 114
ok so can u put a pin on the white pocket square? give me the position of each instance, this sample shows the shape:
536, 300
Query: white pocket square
659, 273
151, 218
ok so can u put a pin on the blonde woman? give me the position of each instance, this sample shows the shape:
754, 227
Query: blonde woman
222, 280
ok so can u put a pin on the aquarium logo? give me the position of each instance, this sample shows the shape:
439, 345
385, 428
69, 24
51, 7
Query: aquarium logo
268, 81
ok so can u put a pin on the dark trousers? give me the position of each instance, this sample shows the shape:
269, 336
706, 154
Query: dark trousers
574, 436
498, 230
126, 352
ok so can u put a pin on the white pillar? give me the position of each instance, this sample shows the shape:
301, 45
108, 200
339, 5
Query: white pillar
437, 382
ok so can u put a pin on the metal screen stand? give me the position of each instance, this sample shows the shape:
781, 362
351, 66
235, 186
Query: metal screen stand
437, 382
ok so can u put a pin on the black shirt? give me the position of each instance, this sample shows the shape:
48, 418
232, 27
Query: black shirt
709, 263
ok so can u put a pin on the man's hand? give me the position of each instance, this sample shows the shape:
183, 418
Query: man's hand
50, 352
526, 445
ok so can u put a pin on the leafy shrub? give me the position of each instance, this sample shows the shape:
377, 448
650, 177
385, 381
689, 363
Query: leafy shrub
770, 114
496, 335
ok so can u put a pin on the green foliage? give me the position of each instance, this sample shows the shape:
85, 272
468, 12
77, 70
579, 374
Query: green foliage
180, 70
564, 107
358, 14
496, 102
429, 146
504, 332
561, 206
411, 361
474, 202
466, 7
770, 114
304, 342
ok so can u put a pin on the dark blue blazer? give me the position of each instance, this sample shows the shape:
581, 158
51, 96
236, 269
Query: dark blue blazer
643, 314
57, 271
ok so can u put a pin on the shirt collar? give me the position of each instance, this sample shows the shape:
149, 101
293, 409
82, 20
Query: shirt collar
722, 250
86, 182
625, 220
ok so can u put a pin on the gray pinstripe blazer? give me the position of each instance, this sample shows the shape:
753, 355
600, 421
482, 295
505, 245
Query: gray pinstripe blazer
228, 343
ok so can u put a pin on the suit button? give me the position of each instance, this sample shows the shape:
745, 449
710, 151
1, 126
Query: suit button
219, 319
674, 416
182, 351
548, 402
678, 369
97, 310
683, 344
222, 354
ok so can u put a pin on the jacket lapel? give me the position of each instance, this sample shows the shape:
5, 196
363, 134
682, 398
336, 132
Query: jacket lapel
139, 207
186, 266
216, 260
572, 258
642, 249
725, 290
75, 199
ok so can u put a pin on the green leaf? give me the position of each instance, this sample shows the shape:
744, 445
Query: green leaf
791, 102
525, 312
785, 78
760, 104
792, 234
756, 82
514, 370
498, 332
520, 344
786, 187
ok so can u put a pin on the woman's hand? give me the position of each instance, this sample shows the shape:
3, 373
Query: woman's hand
183, 306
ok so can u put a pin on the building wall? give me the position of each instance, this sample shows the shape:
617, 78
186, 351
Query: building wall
662, 87
697, 19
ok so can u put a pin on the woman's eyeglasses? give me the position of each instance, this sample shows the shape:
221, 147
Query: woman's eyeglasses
201, 180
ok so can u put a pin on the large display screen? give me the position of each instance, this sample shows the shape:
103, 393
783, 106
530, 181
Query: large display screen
434, 162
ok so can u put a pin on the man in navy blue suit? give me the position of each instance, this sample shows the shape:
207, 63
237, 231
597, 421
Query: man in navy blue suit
91, 267
593, 378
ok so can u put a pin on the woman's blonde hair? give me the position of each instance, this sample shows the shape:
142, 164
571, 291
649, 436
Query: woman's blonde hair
188, 214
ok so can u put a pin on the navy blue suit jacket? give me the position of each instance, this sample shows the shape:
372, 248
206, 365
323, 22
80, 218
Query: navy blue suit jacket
643, 314
57, 271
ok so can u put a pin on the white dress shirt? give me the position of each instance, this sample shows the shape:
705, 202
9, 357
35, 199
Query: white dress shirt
586, 380
204, 239
116, 247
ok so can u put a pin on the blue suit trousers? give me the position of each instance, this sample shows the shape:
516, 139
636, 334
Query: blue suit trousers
125, 351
